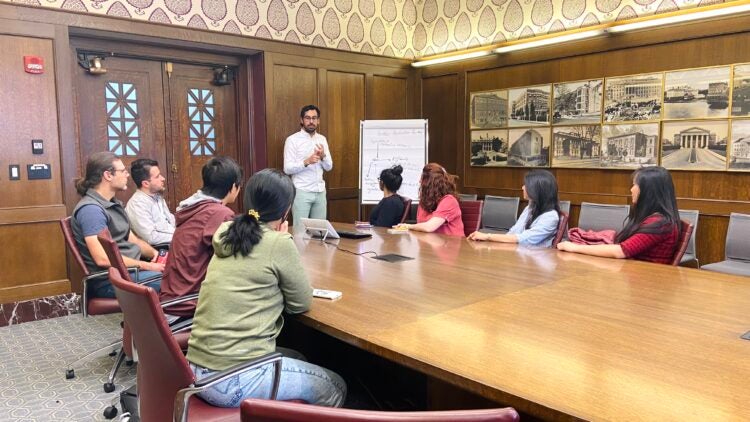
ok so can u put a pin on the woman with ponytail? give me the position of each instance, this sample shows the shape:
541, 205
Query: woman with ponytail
390, 209
256, 274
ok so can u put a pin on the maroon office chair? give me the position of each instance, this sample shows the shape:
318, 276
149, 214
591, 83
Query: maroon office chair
166, 385
181, 333
682, 242
407, 209
471, 215
562, 228
89, 305
254, 410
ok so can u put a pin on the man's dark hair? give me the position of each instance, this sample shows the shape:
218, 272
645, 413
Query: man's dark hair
96, 165
219, 175
307, 108
140, 170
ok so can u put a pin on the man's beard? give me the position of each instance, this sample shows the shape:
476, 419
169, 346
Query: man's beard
309, 129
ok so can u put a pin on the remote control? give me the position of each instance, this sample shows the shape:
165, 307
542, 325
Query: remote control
326, 294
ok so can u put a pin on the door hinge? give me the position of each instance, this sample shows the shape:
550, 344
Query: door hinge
168, 68
174, 168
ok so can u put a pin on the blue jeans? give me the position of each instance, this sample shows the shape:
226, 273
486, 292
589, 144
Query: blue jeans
300, 380
308, 205
103, 287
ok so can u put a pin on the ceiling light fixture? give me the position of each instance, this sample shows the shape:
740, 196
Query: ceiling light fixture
668, 20
548, 41
448, 59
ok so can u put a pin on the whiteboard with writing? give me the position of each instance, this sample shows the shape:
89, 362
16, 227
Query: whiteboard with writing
385, 143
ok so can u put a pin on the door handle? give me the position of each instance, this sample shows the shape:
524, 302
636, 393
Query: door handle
174, 168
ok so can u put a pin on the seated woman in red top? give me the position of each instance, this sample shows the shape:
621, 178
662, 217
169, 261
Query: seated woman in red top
653, 227
438, 210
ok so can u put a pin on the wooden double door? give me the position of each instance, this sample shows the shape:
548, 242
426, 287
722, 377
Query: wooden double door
169, 112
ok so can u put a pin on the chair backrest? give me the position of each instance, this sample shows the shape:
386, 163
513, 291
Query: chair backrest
113, 253
600, 217
562, 228
565, 207
162, 367
407, 208
737, 246
70, 241
255, 410
682, 242
691, 216
500, 212
471, 215
412, 218
467, 196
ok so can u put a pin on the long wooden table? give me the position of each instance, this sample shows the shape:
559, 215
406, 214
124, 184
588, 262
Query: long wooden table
554, 334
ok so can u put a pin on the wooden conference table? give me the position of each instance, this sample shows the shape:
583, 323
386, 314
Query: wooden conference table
553, 334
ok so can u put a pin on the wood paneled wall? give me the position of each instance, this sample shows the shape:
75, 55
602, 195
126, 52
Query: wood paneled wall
345, 93
445, 93
29, 208
279, 78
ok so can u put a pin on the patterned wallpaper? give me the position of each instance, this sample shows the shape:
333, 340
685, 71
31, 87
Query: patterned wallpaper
398, 28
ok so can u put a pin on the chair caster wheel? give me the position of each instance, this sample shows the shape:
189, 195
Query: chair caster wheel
129, 362
113, 353
110, 412
109, 387
70, 374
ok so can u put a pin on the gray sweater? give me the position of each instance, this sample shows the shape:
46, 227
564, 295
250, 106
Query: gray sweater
240, 302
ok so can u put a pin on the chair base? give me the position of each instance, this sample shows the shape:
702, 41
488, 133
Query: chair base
70, 372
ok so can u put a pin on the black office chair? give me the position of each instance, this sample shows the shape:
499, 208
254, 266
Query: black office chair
600, 217
499, 213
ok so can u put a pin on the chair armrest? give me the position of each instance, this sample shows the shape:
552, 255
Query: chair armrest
168, 303
183, 396
147, 280
163, 245
85, 294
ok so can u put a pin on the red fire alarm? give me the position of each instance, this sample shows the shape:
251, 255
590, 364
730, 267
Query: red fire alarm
33, 64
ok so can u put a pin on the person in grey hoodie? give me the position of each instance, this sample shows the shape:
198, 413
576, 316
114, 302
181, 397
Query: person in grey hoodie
197, 218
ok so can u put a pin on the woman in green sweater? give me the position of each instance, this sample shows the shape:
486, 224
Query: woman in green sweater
254, 275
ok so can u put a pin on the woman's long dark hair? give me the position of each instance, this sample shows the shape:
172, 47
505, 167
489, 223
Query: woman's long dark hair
270, 193
541, 188
656, 197
434, 184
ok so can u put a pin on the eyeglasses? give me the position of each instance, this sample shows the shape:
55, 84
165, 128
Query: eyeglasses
114, 170
310, 118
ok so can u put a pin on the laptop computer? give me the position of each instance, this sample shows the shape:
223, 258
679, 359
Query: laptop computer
323, 229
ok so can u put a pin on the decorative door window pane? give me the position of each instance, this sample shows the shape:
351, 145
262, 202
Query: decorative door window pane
123, 135
202, 136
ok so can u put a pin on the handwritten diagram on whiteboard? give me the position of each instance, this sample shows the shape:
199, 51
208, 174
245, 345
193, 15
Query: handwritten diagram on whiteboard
386, 143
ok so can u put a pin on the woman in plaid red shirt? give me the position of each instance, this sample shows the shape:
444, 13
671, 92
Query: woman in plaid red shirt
653, 227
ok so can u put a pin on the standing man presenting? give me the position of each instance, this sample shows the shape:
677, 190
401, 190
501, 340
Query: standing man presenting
306, 156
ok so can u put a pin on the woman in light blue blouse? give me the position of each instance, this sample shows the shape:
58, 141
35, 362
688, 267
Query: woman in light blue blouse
537, 224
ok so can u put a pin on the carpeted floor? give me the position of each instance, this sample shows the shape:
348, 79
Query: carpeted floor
33, 359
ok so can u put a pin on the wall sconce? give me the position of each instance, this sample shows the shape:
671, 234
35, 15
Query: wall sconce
92, 63
223, 76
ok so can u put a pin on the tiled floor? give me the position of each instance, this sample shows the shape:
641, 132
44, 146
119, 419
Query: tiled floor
33, 359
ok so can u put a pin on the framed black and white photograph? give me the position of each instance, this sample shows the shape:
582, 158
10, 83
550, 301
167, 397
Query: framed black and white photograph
741, 91
489, 148
694, 145
488, 109
577, 146
630, 145
577, 102
529, 106
633, 98
697, 93
739, 148
529, 147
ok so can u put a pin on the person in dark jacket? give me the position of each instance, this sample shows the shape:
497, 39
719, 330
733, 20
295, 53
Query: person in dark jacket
198, 217
390, 209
